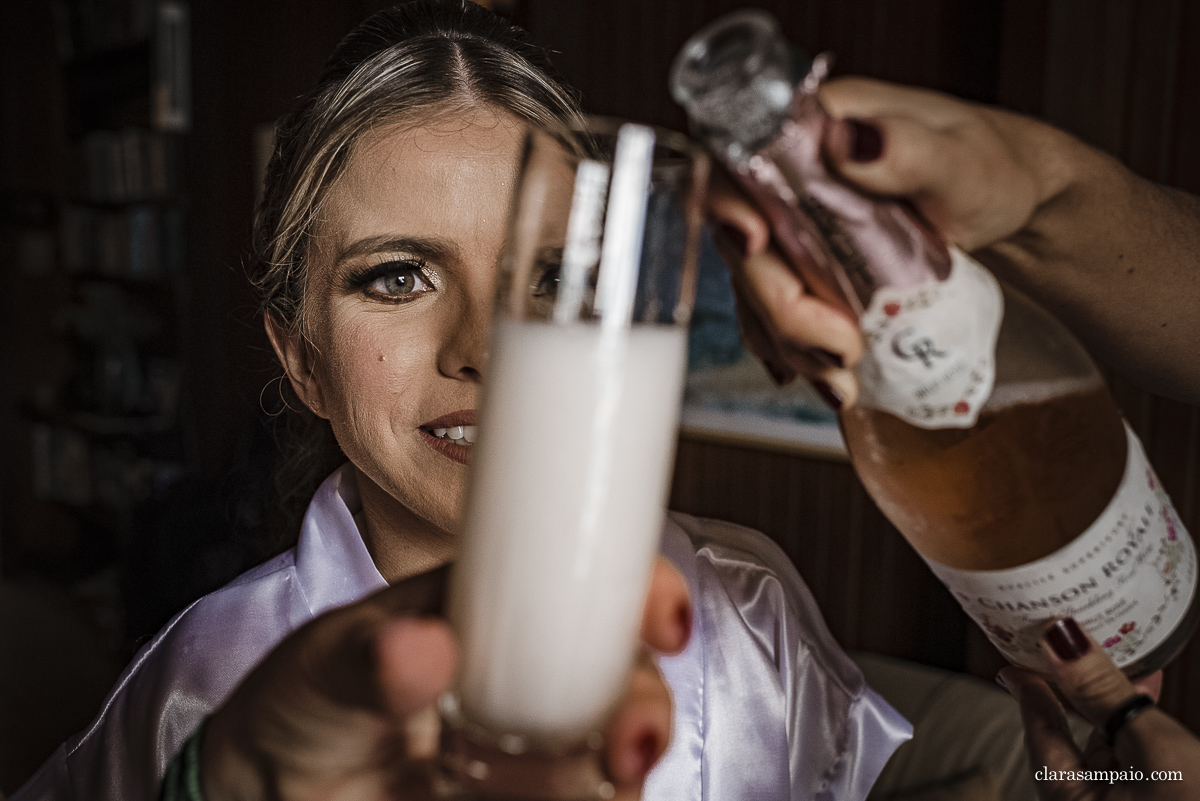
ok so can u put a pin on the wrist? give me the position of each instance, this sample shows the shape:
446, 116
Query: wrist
1073, 187
1055, 161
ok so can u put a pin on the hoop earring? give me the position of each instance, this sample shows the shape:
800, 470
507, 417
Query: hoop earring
283, 401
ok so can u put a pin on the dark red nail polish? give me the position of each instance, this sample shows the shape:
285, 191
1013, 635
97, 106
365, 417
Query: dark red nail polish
733, 237
684, 619
867, 141
647, 752
1067, 640
777, 374
828, 358
829, 395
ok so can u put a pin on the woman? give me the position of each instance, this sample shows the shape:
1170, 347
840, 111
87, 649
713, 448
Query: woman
382, 221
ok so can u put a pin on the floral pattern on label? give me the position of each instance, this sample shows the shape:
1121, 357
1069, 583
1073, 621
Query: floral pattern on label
930, 349
1128, 579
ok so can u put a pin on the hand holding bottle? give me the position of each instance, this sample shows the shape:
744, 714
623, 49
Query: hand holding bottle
344, 705
962, 166
982, 428
1144, 739
1060, 220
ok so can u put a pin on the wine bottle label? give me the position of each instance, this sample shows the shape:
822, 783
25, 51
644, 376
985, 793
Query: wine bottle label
1128, 579
930, 348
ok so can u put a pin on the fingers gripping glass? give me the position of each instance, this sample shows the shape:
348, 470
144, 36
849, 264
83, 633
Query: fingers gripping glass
570, 472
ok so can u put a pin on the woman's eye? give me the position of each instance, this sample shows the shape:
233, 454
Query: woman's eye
404, 280
547, 283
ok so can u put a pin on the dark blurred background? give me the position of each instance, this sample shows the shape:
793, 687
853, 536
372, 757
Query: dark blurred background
136, 436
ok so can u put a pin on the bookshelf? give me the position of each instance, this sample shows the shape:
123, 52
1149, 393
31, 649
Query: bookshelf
106, 432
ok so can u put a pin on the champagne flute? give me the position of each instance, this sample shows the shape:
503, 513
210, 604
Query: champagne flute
570, 474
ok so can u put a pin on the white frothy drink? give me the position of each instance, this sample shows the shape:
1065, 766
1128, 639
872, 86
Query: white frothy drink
568, 490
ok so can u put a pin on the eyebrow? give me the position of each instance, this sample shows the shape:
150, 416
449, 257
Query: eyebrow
433, 248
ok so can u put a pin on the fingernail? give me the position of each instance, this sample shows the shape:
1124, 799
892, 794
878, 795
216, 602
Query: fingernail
1000, 681
777, 374
646, 748
684, 621
828, 358
867, 141
829, 395
1067, 640
733, 237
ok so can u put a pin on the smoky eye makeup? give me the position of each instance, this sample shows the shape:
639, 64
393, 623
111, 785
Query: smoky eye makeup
393, 280
546, 274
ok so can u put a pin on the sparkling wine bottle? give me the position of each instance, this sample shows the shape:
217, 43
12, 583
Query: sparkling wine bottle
983, 429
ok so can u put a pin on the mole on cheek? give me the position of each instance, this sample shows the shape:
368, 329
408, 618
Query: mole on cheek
382, 358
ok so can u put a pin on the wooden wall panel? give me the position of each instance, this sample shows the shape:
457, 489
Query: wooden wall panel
619, 53
1022, 56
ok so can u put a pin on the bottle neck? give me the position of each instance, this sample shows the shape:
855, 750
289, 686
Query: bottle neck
735, 78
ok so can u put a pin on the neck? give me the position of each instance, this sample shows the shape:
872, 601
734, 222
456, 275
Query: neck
401, 543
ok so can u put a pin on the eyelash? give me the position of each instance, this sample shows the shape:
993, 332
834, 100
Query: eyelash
364, 280
547, 282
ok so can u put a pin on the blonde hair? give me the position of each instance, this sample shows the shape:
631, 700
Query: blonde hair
404, 65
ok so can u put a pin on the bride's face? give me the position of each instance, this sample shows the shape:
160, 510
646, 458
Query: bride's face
401, 275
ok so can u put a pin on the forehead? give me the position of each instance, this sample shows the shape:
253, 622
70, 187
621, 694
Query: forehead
451, 177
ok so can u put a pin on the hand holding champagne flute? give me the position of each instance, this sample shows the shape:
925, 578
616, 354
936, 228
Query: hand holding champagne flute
345, 705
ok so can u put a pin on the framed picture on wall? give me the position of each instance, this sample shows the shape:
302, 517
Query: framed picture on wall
730, 397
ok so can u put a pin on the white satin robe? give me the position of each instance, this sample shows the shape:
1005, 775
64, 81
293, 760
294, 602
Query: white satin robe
767, 706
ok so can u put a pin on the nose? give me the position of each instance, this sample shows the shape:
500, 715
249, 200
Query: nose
466, 339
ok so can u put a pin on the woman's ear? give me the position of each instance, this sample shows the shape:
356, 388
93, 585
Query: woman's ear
296, 356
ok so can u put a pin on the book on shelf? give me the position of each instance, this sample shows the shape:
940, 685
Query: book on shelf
71, 468
131, 164
61, 465
171, 93
137, 242
128, 63
93, 26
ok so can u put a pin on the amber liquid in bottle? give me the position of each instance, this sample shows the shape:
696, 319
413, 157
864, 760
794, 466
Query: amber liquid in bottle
1024, 481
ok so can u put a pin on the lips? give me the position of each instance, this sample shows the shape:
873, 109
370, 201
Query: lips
451, 434
463, 417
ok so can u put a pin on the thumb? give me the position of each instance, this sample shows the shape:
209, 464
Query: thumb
667, 618
415, 663
1085, 675
886, 155
898, 156
885, 138
1048, 738
949, 158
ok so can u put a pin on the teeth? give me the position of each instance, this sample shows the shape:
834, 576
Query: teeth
459, 435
